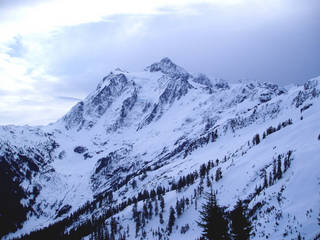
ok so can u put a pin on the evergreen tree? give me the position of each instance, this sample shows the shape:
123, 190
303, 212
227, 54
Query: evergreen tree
145, 211
270, 179
134, 184
113, 225
265, 183
162, 203
279, 171
299, 237
203, 170
172, 219
178, 208
138, 223
218, 174
256, 139
213, 222
150, 209
135, 211
208, 181
240, 224
274, 170
161, 218
156, 207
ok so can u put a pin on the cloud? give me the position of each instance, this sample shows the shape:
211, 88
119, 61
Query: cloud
55, 48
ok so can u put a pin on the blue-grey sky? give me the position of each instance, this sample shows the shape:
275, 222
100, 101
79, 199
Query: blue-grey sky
54, 52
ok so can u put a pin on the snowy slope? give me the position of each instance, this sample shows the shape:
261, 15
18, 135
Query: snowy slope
141, 131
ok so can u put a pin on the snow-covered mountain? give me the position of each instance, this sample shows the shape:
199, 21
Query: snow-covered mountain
166, 134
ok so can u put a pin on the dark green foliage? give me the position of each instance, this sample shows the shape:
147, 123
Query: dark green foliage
203, 170
274, 170
162, 203
270, 179
12, 212
287, 161
265, 183
156, 207
240, 224
299, 237
279, 171
134, 184
161, 218
213, 220
150, 208
256, 139
264, 135
171, 221
218, 174
138, 223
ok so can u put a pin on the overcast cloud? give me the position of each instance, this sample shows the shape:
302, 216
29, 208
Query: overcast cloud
54, 52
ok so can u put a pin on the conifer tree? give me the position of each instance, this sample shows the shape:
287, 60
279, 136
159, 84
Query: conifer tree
138, 223
150, 209
178, 208
134, 211
172, 219
218, 174
265, 183
274, 170
162, 203
161, 218
279, 171
270, 179
212, 220
156, 207
240, 224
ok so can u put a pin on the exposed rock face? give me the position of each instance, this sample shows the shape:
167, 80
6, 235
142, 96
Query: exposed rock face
311, 89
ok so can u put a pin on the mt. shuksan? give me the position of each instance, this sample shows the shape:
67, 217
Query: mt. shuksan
165, 135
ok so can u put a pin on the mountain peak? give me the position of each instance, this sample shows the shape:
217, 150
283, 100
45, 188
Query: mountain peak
166, 66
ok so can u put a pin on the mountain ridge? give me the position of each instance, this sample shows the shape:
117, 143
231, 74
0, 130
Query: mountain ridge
145, 128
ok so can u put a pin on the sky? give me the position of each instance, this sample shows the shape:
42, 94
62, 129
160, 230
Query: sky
53, 53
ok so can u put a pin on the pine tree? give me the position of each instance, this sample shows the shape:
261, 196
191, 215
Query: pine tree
172, 219
178, 208
138, 223
265, 183
279, 171
218, 174
270, 179
256, 139
240, 224
150, 209
213, 222
134, 211
208, 181
156, 207
274, 170
203, 170
145, 211
113, 225
299, 237
161, 218
162, 203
